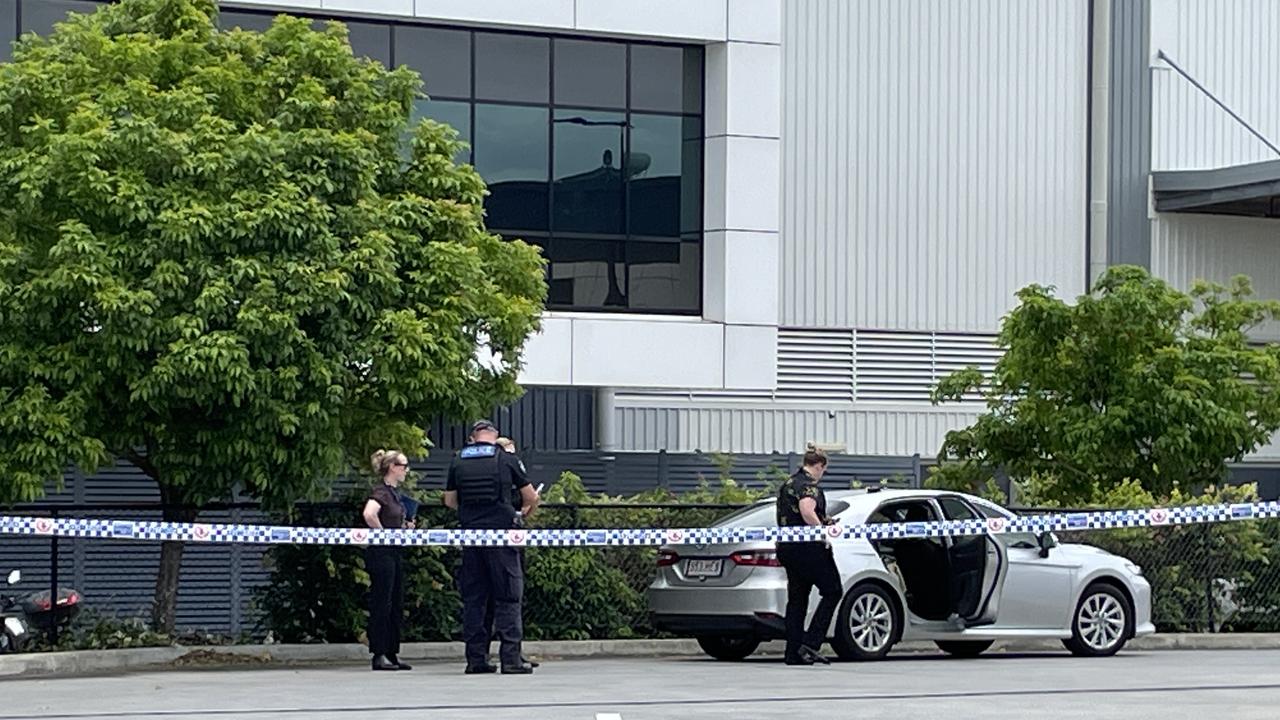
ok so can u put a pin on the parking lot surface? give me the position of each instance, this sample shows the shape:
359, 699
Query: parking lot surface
1169, 685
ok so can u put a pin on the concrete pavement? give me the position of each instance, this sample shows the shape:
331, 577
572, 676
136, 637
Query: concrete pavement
1184, 685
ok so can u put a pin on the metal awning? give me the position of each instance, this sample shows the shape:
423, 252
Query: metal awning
1251, 190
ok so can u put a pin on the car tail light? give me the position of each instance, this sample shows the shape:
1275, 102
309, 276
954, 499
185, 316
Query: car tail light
44, 604
756, 558
667, 558
71, 599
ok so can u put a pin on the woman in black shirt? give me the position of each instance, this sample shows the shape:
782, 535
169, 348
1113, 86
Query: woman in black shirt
383, 509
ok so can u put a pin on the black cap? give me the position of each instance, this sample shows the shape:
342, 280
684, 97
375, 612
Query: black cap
483, 425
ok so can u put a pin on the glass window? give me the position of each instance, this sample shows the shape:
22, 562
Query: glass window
588, 172
664, 276
587, 274
442, 57
370, 40
665, 174
38, 16
956, 509
8, 28
257, 22
511, 149
452, 113
666, 79
593, 74
513, 68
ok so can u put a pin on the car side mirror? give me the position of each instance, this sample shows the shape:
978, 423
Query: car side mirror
14, 577
1045, 541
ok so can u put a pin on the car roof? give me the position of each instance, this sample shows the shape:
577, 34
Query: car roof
871, 498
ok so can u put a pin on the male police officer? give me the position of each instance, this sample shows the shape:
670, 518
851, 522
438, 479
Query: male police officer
482, 480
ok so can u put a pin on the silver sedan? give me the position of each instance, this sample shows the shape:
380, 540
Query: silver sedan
963, 593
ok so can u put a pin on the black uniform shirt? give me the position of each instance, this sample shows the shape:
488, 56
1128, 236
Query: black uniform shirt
800, 485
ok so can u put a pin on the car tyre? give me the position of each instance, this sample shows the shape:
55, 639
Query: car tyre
730, 648
1102, 622
867, 624
8, 643
964, 648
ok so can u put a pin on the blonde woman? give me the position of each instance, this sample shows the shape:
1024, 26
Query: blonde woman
384, 509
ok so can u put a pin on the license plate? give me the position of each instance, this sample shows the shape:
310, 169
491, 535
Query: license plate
704, 568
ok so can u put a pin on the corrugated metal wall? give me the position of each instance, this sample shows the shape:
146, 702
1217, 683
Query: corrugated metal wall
544, 418
1230, 48
934, 159
762, 427
1188, 247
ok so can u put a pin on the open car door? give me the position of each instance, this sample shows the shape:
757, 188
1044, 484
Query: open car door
978, 565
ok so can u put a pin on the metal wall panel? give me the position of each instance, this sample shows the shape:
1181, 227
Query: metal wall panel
1187, 247
934, 159
544, 418
752, 427
1230, 48
1129, 137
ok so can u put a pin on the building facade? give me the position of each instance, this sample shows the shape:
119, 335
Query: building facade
771, 222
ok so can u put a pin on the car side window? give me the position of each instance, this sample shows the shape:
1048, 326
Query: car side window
956, 509
1016, 540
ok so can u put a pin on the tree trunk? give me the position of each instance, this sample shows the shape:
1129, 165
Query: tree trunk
164, 611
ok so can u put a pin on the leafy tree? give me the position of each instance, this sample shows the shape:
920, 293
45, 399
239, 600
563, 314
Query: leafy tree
1135, 381
228, 258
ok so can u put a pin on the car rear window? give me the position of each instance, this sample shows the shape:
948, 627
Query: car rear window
765, 515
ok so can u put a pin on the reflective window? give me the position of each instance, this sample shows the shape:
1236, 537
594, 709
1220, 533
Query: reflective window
453, 113
591, 74
8, 28
442, 57
664, 171
664, 276
587, 274
511, 153
588, 172
257, 22
667, 79
513, 68
38, 16
370, 40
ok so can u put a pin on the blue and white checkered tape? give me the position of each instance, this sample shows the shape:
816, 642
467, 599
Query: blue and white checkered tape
264, 534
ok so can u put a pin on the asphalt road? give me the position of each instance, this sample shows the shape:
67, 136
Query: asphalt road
1169, 685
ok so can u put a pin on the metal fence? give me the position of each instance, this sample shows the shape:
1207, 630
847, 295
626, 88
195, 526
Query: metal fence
1207, 578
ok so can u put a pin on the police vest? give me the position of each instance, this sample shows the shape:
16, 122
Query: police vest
478, 476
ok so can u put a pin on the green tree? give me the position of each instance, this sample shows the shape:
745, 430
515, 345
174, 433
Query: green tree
1135, 381
228, 258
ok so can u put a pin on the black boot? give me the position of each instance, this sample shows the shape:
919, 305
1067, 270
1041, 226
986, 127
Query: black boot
380, 662
395, 660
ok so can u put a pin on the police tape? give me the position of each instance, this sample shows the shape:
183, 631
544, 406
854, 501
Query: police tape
272, 535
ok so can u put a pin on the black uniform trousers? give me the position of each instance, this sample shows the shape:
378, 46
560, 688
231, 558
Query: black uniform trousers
809, 564
492, 575
386, 598
488, 610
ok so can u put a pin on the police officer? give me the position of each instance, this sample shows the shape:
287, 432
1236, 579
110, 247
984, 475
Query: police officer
483, 480
808, 564
517, 500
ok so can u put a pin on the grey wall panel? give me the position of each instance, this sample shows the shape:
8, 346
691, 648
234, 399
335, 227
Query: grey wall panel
933, 157
544, 418
1128, 228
